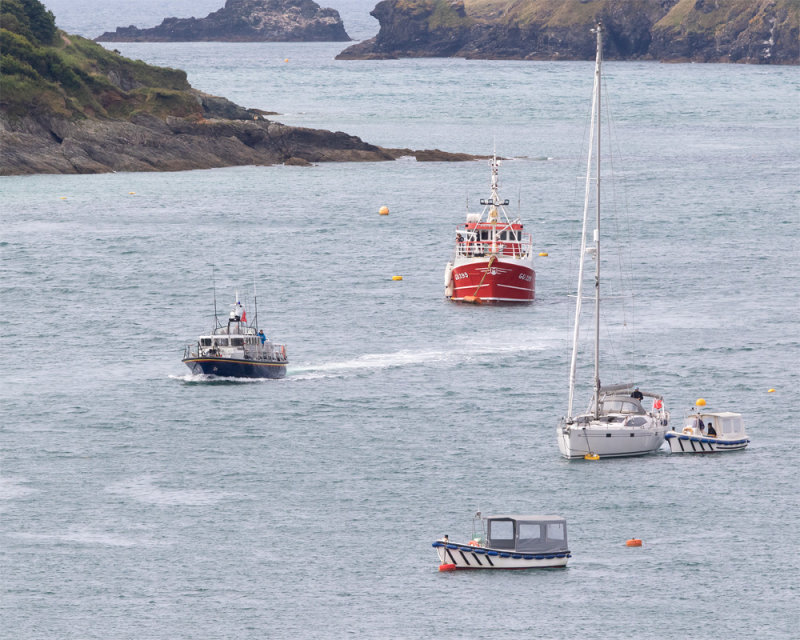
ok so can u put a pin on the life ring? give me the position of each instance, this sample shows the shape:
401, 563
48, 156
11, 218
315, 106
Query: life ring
474, 543
688, 430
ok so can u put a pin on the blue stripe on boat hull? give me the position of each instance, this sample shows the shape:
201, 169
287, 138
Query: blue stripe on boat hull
228, 368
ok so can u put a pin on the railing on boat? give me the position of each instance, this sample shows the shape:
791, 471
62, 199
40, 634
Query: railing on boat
477, 248
249, 352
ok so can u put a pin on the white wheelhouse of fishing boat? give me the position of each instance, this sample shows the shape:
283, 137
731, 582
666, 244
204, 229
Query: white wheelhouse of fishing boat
709, 432
616, 424
508, 542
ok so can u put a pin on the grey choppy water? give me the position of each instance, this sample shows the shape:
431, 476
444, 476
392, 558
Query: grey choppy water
138, 503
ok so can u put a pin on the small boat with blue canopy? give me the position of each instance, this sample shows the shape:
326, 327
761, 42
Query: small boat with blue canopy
508, 542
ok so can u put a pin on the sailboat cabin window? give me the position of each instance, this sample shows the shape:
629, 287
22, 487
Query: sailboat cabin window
205, 342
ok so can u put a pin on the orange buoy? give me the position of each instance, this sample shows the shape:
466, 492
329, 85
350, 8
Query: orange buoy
633, 542
447, 567
384, 210
472, 299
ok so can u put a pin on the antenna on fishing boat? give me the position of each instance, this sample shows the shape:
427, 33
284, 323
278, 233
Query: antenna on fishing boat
255, 301
214, 287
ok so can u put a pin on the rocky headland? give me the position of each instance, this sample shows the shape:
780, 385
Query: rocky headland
244, 21
68, 105
744, 31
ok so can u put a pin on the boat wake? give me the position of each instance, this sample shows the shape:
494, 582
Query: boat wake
191, 378
435, 357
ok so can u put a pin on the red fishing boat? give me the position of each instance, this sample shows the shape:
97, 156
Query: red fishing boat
493, 256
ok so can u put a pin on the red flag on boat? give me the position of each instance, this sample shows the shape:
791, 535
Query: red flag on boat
244, 315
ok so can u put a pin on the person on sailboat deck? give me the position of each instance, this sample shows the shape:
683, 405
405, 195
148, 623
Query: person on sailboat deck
262, 336
711, 430
637, 394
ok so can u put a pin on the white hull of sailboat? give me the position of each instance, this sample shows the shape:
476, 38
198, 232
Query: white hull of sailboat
608, 442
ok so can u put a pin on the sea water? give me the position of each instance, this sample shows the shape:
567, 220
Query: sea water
138, 501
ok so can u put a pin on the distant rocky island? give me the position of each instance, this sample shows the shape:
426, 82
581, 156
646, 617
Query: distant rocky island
744, 31
245, 21
68, 105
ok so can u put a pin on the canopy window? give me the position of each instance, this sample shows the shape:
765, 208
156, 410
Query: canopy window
500, 534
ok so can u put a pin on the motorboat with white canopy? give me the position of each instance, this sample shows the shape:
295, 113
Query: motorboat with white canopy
508, 542
709, 432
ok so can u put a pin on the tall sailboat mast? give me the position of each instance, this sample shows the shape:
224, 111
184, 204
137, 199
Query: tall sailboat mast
581, 263
597, 86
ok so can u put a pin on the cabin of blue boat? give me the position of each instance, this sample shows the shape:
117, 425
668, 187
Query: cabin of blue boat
526, 534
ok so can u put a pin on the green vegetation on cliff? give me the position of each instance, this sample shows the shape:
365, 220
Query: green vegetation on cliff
749, 31
46, 72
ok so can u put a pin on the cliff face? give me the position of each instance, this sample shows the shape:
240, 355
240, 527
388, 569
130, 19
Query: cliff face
245, 21
755, 31
758, 31
67, 105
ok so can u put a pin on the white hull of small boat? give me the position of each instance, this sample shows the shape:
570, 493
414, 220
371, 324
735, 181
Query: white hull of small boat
684, 443
465, 556
608, 441
727, 433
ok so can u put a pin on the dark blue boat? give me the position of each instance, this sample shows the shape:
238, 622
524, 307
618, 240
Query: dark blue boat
236, 349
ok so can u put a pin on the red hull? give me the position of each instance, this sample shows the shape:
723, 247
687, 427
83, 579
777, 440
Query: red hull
502, 282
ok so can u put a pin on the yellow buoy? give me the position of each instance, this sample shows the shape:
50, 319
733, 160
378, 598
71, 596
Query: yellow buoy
771, 391
63, 198
286, 59
591, 456
384, 210
131, 193
397, 277
700, 402
543, 254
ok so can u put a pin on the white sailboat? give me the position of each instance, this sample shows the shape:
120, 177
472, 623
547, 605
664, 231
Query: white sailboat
616, 424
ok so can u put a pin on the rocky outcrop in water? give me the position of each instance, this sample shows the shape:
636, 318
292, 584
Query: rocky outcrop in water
68, 105
244, 21
751, 31
52, 143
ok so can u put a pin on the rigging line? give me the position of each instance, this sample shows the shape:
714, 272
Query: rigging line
624, 250
573, 265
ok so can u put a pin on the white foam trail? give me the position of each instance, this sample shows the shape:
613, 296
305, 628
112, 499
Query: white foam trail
206, 379
375, 361
144, 489
11, 488
81, 537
